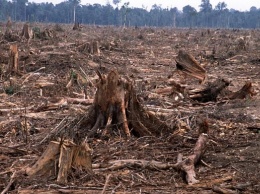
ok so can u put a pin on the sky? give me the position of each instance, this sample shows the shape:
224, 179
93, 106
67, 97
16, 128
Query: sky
240, 5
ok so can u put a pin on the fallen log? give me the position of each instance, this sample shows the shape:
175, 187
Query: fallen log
210, 92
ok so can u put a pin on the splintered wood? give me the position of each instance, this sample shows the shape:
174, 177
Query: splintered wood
188, 65
59, 158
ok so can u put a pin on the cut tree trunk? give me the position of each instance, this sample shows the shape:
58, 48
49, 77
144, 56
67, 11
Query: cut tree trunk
26, 32
116, 106
13, 66
188, 65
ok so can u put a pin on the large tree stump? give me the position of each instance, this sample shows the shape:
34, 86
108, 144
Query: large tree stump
116, 106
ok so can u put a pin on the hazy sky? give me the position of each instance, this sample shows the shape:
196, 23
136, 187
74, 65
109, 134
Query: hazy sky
240, 5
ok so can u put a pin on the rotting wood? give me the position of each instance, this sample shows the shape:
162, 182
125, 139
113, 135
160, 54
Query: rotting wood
188, 65
210, 92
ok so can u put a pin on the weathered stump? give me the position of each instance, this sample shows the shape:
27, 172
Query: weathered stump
187, 64
26, 32
244, 92
116, 106
59, 158
13, 66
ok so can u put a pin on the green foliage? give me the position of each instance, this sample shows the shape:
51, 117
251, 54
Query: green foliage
12, 89
219, 17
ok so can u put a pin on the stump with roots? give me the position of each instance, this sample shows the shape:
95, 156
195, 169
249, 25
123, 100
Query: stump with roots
115, 106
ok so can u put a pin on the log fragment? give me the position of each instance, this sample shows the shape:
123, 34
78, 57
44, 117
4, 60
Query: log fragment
244, 92
45, 166
210, 92
65, 161
188, 65
59, 158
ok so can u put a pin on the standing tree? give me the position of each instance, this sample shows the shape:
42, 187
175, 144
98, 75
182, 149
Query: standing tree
125, 9
116, 2
75, 3
205, 9
189, 13
205, 6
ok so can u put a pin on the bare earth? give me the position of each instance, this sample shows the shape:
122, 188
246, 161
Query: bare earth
147, 56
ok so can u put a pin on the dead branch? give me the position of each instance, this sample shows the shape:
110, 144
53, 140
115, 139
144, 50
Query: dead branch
106, 183
12, 179
187, 165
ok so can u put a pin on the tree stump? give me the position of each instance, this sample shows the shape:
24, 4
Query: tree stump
13, 66
59, 158
116, 106
26, 32
188, 65
244, 92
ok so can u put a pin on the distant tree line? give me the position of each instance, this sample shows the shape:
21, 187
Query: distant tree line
69, 11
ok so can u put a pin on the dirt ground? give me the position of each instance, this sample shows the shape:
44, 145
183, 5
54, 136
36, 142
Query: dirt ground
31, 107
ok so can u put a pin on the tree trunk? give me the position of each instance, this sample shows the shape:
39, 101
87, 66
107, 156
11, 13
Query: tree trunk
13, 60
117, 106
